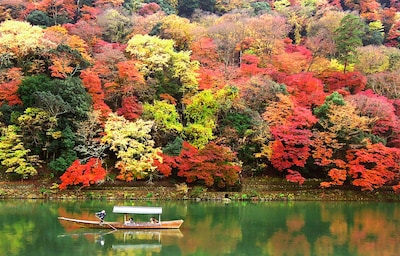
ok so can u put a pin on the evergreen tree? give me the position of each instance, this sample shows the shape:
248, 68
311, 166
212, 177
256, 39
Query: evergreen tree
348, 37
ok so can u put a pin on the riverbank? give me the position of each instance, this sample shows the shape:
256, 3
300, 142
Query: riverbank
255, 189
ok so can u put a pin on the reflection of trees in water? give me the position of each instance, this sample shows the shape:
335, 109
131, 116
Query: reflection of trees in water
291, 228
25, 223
214, 229
15, 244
372, 233
350, 231
241, 228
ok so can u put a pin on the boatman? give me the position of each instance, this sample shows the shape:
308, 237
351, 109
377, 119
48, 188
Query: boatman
101, 215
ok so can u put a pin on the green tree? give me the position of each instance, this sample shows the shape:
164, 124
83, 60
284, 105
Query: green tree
261, 7
116, 26
334, 99
166, 119
173, 148
375, 33
201, 115
348, 37
168, 6
187, 7
54, 104
39, 18
240, 121
30, 85
67, 97
54, 108
132, 5
73, 93
64, 150
164, 114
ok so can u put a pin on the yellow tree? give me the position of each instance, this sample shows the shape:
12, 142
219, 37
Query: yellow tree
201, 116
297, 18
20, 43
108, 3
38, 129
178, 29
156, 59
267, 32
134, 147
374, 59
14, 156
227, 6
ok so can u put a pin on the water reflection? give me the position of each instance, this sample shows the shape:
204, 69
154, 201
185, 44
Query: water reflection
297, 228
238, 228
132, 241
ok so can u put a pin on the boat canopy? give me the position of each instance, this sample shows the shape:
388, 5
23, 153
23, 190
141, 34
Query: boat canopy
137, 210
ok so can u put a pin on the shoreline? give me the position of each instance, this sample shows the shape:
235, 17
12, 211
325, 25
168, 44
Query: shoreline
253, 189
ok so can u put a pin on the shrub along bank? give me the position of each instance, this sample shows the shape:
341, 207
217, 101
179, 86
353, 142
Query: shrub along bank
253, 189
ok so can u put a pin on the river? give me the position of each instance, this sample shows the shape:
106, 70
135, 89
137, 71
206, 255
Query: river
31, 228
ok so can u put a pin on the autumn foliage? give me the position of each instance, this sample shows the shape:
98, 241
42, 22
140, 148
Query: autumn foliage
297, 89
83, 174
368, 168
9, 85
213, 165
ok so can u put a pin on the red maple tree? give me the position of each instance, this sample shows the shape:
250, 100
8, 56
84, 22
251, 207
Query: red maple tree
377, 107
306, 89
374, 166
85, 174
290, 126
345, 83
9, 82
368, 168
92, 83
130, 108
213, 165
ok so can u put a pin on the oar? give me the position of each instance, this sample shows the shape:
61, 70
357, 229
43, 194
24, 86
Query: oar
106, 223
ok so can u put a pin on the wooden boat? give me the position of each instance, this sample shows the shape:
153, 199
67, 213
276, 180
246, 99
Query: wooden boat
128, 211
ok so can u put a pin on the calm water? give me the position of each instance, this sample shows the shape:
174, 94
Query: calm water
238, 228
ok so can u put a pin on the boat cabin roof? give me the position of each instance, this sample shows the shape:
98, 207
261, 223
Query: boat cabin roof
137, 209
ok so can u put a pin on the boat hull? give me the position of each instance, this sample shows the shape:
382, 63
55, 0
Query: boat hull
171, 224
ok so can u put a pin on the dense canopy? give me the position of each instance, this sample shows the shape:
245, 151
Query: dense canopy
203, 92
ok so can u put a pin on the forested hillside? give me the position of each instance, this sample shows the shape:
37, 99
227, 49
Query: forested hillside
204, 92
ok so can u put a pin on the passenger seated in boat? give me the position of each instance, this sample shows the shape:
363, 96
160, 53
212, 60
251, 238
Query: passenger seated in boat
129, 221
153, 220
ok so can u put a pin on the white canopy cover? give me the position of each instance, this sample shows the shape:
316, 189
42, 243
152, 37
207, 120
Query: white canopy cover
137, 210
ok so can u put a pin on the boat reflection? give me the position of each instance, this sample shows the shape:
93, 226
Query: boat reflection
132, 240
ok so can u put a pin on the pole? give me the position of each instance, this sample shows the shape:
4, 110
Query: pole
106, 223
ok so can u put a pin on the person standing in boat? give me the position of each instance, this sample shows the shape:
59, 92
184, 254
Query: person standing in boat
101, 215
